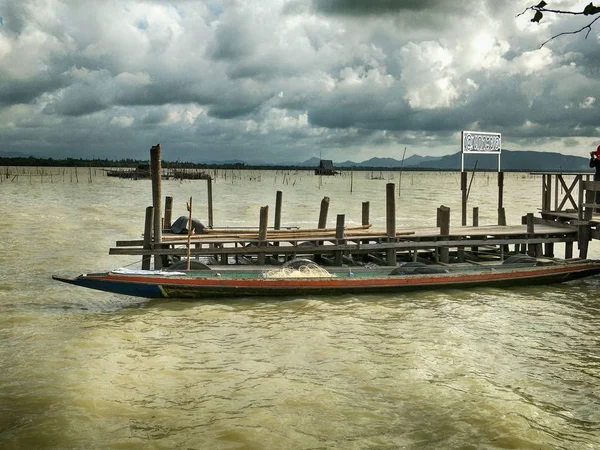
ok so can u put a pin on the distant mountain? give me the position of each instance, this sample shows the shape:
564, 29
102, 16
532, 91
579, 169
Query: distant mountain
312, 162
524, 160
13, 155
383, 163
392, 163
511, 160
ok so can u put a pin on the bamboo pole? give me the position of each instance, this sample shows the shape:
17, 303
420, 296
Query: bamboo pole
281, 231
391, 221
272, 236
262, 232
400, 175
278, 201
189, 237
210, 202
156, 169
148, 225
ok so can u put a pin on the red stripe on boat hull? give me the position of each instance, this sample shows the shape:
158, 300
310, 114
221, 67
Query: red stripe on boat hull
215, 286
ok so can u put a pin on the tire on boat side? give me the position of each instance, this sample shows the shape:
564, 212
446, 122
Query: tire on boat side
520, 259
416, 268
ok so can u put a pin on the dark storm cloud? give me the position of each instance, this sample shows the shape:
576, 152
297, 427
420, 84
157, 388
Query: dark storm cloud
377, 7
233, 39
500, 103
363, 109
27, 91
12, 15
279, 79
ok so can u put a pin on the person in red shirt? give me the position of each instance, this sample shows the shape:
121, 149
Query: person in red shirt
595, 162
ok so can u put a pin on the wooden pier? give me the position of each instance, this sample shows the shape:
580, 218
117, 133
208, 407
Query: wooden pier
567, 217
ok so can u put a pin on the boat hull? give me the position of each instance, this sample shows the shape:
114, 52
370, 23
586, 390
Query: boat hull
199, 285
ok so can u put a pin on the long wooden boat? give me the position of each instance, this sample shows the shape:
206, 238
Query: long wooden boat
231, 281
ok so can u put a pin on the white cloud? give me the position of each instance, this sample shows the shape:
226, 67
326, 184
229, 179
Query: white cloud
428, 75
122, 121
274, 77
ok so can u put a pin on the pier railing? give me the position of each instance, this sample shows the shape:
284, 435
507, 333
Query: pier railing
564, 194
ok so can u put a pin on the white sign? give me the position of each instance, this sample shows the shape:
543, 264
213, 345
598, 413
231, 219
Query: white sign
480, 142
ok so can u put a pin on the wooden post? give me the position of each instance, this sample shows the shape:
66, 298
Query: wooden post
584, 230
463, 188
339, 238
210, 202
168, 212
189, 236
544, 196
323, 213
277, 224
262, 232
583, 237
156, 173
556, 191
365, 213
547, 200
475, 248
500, 190
501, 217
501, 211
278, 201
148, 225
390, 216
568, 250
531, 248
444, 217
530, 224
580, 196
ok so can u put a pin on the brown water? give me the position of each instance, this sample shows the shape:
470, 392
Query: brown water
486, 368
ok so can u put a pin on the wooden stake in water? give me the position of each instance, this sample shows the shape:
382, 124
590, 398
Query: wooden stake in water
190, 232
400, 175
156, 173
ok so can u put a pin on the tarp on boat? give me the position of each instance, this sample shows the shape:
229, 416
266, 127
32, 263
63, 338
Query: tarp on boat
180, 226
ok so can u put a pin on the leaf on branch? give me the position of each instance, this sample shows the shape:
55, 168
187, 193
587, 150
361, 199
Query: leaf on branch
590, 10
538, 16
541, 4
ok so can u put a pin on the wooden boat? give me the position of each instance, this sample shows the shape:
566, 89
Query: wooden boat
309, 279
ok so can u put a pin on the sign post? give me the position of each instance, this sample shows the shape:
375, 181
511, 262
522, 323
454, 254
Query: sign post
477, 142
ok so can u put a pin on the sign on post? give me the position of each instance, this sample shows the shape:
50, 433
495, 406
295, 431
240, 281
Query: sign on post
480, 142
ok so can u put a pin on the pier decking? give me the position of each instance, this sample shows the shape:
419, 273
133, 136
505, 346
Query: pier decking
535, 236
354, 244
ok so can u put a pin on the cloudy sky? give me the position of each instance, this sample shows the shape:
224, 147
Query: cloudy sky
286, 80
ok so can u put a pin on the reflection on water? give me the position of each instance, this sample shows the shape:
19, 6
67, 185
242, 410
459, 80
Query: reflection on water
486, 368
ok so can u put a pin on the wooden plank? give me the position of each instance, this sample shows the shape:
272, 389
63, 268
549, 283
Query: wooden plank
350, 248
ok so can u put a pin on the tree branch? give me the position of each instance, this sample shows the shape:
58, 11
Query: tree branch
554, 11
588, 26
540, 9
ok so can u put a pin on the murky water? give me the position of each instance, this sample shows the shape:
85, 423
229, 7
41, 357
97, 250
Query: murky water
485, 368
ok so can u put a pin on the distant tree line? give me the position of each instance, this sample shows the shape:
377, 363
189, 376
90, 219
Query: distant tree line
128, 162
133, 163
